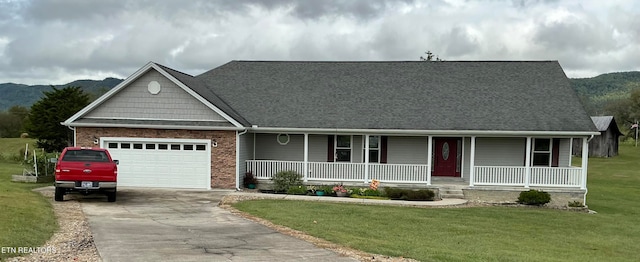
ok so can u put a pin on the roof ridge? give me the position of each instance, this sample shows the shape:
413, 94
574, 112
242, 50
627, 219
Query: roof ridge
393, 61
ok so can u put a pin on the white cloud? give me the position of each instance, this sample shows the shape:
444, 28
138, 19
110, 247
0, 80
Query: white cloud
59, 40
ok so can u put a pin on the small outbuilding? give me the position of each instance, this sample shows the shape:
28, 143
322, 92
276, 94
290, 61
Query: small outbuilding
606, 144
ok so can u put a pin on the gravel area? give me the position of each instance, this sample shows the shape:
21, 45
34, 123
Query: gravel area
73, 240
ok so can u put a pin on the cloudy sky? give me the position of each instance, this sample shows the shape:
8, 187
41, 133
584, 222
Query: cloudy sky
57, 41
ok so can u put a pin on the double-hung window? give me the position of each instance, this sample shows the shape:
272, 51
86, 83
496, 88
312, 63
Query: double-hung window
343, 148
374, 149
541, 152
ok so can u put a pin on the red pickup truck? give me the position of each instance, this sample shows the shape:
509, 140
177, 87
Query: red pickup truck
85, 171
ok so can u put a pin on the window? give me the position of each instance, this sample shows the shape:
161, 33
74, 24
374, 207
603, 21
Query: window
201, 147
175, 147
188, 147
125, 145
343, 148
113, 145
541, 152
374, 149
137, 146
283, 139
162, 146
150, 146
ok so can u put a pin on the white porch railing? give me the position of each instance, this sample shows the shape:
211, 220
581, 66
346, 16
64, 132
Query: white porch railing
408, 173
404, 173
264, 169
516, 176
340, 171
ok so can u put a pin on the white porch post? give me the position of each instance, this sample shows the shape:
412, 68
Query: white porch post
429, 159
472, 160
366, 159
527, 163
305, 168
585, 162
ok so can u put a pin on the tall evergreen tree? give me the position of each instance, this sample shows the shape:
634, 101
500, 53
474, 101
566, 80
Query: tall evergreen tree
47, 113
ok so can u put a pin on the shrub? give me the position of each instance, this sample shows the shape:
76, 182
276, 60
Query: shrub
534, 197
370, 192
328, 190
283, 180
249, 179
408, 194
422, 194
297, 190
393, 193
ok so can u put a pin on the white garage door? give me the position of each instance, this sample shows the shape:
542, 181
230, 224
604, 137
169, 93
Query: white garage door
173, 163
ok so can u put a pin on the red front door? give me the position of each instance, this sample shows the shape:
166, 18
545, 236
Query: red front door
445, 157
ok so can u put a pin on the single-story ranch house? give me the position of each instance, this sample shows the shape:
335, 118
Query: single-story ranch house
498, 127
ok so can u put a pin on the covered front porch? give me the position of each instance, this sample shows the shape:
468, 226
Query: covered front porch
477, 161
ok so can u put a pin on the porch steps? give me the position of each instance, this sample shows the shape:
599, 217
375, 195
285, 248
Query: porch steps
451, 191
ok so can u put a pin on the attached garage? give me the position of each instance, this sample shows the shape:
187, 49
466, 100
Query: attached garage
171, 163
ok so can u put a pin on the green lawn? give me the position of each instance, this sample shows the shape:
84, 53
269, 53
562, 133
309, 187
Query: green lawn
485, 233
26, 217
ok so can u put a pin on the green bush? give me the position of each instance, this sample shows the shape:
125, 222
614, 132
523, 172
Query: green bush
409, 194
393, 193
284, 180
328, 190
534, 197
422, 194
371, 192
297, 190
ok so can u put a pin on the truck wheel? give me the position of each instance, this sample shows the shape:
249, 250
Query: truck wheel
111, 196
59, 195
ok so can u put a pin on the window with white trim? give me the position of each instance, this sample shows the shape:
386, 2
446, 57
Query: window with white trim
374, 149
541, 152
343, 148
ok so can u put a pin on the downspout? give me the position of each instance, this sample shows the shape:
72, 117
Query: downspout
74, 134
586, 189
238, 158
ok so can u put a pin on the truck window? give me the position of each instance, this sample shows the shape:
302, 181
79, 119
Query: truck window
85, 156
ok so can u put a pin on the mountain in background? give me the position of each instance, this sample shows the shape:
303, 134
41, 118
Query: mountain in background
25, 95
595, 92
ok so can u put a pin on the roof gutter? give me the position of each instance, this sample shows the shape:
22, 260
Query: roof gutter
154, 126
423, 132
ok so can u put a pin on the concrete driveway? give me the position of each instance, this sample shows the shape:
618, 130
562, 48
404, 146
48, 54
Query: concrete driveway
183, 225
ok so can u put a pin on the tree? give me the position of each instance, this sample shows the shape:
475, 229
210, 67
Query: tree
47, 113
430, 57
626, 111
12, 121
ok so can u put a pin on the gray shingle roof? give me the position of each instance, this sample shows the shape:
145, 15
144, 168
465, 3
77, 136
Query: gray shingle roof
603, 123
489, 95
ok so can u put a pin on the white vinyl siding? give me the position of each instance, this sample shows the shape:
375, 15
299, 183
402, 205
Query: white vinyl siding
500, 151
407, 150
318, 148
466, 157
246, 153
565, 150
357, 150
172, 103
268, 148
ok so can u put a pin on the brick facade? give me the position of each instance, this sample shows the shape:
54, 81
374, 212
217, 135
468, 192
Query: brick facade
223, 157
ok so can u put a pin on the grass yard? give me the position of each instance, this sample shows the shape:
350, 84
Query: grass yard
485, 233
26, 217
